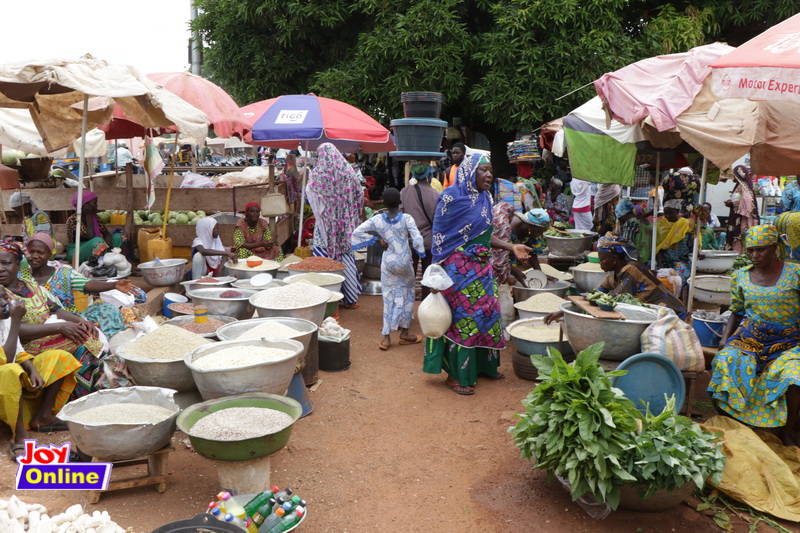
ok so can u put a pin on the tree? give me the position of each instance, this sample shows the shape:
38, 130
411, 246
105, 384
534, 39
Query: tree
503, 65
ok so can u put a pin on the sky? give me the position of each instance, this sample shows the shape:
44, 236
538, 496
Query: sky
151, 35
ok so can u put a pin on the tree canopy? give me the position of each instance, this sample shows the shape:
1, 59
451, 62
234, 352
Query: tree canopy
503, 65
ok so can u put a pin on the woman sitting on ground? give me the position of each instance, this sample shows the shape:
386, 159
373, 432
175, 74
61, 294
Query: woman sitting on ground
35, 388
95, 238
41, 332
756, 374
209, 252
251, 236
62, 282
626, 275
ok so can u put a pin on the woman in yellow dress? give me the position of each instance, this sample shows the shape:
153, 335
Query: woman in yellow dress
35, 388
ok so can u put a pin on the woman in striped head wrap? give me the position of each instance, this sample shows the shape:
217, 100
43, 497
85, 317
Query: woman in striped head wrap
756, 374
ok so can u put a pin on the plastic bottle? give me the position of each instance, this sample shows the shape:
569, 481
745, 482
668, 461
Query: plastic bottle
263, 512
285, 494
288, 521
255, 504
235, 520
272, 519
230, 505
216, 513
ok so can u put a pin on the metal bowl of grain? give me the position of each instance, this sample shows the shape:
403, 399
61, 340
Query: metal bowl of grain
253, 328
532, 336
245, 449
588, 276
539, 305
240, 270
226, 302
622, 337
207, 330
118, 427
559, 288
332, 282
224, 281
267, 305
239, 367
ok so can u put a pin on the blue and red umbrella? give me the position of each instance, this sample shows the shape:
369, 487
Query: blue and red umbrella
310, 120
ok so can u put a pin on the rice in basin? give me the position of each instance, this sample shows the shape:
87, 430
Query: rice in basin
292, 296
167, 343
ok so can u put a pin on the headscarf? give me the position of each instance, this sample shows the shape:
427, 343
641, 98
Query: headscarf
291, 176
606, 192
673, 204
463, 213
336, 197
45, 239
18, 199
670, 233
612, 243
624, 207
14, 247
421, 172
686, 170
204, 229
535, 217
639, 210
763, 235
88, 196
252, 204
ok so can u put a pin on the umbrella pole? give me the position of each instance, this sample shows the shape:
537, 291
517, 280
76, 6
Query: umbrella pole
81, 164
302, 206
697, 242
653, 246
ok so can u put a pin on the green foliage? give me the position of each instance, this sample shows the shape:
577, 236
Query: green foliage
671, 450
579, 427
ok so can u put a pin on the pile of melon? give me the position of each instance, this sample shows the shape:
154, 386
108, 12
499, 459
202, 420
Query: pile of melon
156, 218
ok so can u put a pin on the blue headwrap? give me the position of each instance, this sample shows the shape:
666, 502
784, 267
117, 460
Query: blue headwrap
624, 207
463, 213
535, 217
612, 243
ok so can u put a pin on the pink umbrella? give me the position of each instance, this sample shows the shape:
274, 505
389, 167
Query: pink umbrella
766, 67
224, 115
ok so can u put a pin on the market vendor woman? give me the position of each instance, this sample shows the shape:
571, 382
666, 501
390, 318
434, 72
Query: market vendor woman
756, 374
95, 238
626, 275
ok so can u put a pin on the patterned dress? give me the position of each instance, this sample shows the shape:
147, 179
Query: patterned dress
397, 273
243, 233
470, 346
502, 260
558, 209
751, 374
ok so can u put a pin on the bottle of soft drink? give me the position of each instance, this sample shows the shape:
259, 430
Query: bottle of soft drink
255, 504
229, 504
285, 494
235, 520
216, 513
250, 526
263, 512
272, 519
288, 521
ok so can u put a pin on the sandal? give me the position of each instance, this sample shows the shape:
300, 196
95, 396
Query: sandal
15, 450
354, 305
458, 389
383, 347
417, 340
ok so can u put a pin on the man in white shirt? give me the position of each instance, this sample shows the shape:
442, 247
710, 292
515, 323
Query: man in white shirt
124, 156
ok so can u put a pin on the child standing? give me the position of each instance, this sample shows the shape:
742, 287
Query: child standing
394, 229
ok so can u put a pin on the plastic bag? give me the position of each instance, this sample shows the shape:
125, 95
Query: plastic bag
117, 298
673, 279
595, 509
144, 327
193, 181
676, 340
507, 310
435, 277
434, 315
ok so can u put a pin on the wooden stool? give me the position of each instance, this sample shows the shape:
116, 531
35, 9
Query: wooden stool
156, 473
691, 385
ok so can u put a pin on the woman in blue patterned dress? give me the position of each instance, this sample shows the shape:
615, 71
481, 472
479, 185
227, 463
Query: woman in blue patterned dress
394, 229
756, 374
462, 235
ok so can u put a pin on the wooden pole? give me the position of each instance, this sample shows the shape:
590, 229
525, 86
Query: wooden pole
81, 169
271, 189
129, 207
656, 206
697, 242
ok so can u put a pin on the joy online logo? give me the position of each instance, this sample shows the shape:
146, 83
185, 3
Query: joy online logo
291, 116
48, 468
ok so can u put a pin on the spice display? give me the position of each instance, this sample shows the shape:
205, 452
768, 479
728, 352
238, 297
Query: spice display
207, 280
186, 309
124, 413
537, 332
265, 264
210, 326
240, 356
230, 294
292, 296
167, 343
545, 302
317, 264
239, 423
270, 330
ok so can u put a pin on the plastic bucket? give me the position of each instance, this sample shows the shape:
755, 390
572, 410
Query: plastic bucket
418, 134
334, 356
172, 298
422, 104
708, 332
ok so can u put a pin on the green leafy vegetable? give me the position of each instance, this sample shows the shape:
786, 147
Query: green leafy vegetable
626, 298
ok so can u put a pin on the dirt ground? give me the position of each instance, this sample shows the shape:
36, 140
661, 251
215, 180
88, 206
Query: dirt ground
387, 448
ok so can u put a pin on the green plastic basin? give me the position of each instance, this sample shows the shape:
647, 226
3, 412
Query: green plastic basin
240, 450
